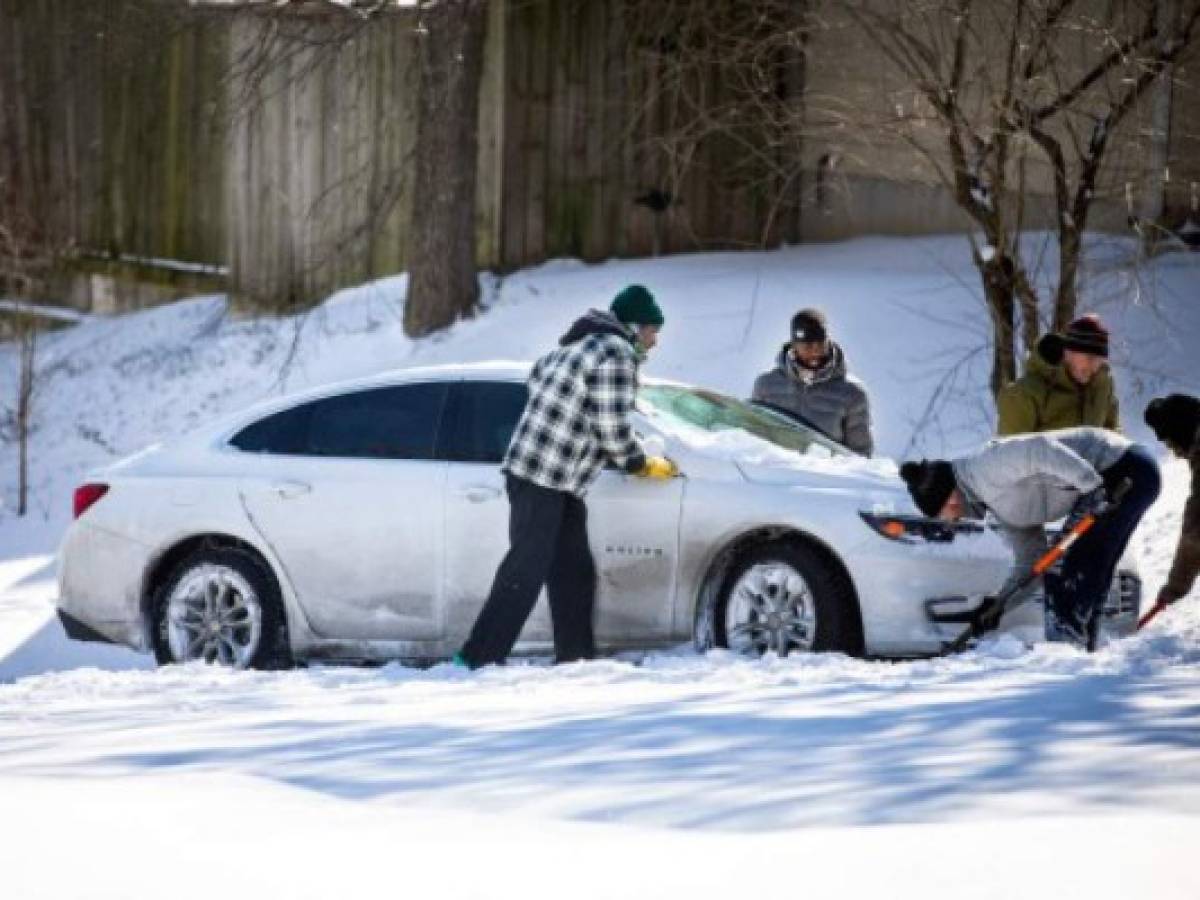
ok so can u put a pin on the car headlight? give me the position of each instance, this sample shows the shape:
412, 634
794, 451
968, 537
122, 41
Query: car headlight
917, 529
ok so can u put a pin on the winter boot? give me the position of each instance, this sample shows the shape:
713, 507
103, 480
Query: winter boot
1064, 628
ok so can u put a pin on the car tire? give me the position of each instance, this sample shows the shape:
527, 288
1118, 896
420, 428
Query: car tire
786, 597
221, 605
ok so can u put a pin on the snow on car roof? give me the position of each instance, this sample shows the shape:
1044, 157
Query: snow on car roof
499, 369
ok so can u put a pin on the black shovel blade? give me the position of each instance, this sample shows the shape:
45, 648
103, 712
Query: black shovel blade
952, 610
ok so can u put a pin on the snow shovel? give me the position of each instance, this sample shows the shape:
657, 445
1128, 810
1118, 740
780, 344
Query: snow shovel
991, 611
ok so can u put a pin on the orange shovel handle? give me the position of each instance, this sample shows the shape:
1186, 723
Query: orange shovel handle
1056, 552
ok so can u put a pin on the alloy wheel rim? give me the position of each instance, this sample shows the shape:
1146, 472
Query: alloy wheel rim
771, 608
214, 615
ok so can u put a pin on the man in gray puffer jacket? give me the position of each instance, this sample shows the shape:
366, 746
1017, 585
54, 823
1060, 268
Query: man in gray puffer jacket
1030, 480
811, 381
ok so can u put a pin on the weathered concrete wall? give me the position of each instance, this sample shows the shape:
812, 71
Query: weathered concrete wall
860, 103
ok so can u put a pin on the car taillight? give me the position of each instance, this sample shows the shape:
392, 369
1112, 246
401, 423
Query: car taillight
86, 495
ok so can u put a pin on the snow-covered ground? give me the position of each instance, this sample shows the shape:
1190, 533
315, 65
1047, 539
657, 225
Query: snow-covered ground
1006, 772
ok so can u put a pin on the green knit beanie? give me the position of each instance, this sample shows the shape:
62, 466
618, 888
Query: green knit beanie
635, 306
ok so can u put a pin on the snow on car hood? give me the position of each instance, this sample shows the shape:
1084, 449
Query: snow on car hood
763, 462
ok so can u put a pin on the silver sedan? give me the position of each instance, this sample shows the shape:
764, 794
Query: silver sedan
364, 521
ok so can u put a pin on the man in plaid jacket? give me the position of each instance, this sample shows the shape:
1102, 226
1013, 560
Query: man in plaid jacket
577, 418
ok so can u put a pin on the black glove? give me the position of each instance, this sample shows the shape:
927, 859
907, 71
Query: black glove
1093, 503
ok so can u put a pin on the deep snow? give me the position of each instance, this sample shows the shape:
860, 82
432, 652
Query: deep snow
1008, 771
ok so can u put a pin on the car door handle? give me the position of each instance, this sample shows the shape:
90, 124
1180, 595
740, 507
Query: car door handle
478, 493
285, 490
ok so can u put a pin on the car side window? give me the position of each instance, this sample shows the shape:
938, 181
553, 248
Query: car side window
483, 418
283, 432
397, 422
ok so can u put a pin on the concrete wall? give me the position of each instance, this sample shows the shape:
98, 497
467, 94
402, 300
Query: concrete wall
860, 105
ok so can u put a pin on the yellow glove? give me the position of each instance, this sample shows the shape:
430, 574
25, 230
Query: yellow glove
659, 467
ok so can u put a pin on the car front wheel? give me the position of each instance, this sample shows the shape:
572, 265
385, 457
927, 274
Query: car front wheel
221, 606
786, 598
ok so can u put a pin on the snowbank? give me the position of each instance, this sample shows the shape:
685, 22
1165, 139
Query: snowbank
1006, 771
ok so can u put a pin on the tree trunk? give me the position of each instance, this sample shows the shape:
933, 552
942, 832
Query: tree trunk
1000, 290
443, 286
1027, 298
1070, 244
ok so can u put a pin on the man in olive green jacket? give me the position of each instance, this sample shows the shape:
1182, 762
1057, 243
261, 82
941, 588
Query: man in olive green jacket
1067, 384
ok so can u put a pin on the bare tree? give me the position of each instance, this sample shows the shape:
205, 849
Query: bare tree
31, 225
19, 280
992, 78
442, 284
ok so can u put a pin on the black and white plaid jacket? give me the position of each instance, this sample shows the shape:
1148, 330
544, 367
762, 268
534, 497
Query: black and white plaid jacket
577, 416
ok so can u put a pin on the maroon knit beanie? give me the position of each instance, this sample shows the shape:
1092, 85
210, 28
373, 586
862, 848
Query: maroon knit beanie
1086, 334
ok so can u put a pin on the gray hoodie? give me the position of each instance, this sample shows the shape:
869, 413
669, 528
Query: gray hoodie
831, 399
1029, 480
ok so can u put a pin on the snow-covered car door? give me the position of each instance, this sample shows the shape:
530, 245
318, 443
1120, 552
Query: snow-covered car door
348, 493
633, 525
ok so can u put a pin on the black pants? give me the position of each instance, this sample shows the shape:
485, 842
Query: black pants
548, 545
1078, 593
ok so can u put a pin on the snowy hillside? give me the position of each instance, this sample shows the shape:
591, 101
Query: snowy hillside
1006, 772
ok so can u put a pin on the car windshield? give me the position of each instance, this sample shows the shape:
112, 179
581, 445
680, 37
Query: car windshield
713, 412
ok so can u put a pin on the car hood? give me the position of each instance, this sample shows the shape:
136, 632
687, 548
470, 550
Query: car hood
876, 481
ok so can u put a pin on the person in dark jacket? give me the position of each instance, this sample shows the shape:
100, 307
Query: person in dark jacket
1030, 480
1067, 384
577, 418
1176, 422
810, 379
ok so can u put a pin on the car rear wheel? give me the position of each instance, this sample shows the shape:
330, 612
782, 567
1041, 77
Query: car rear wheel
784, 597
222, 606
